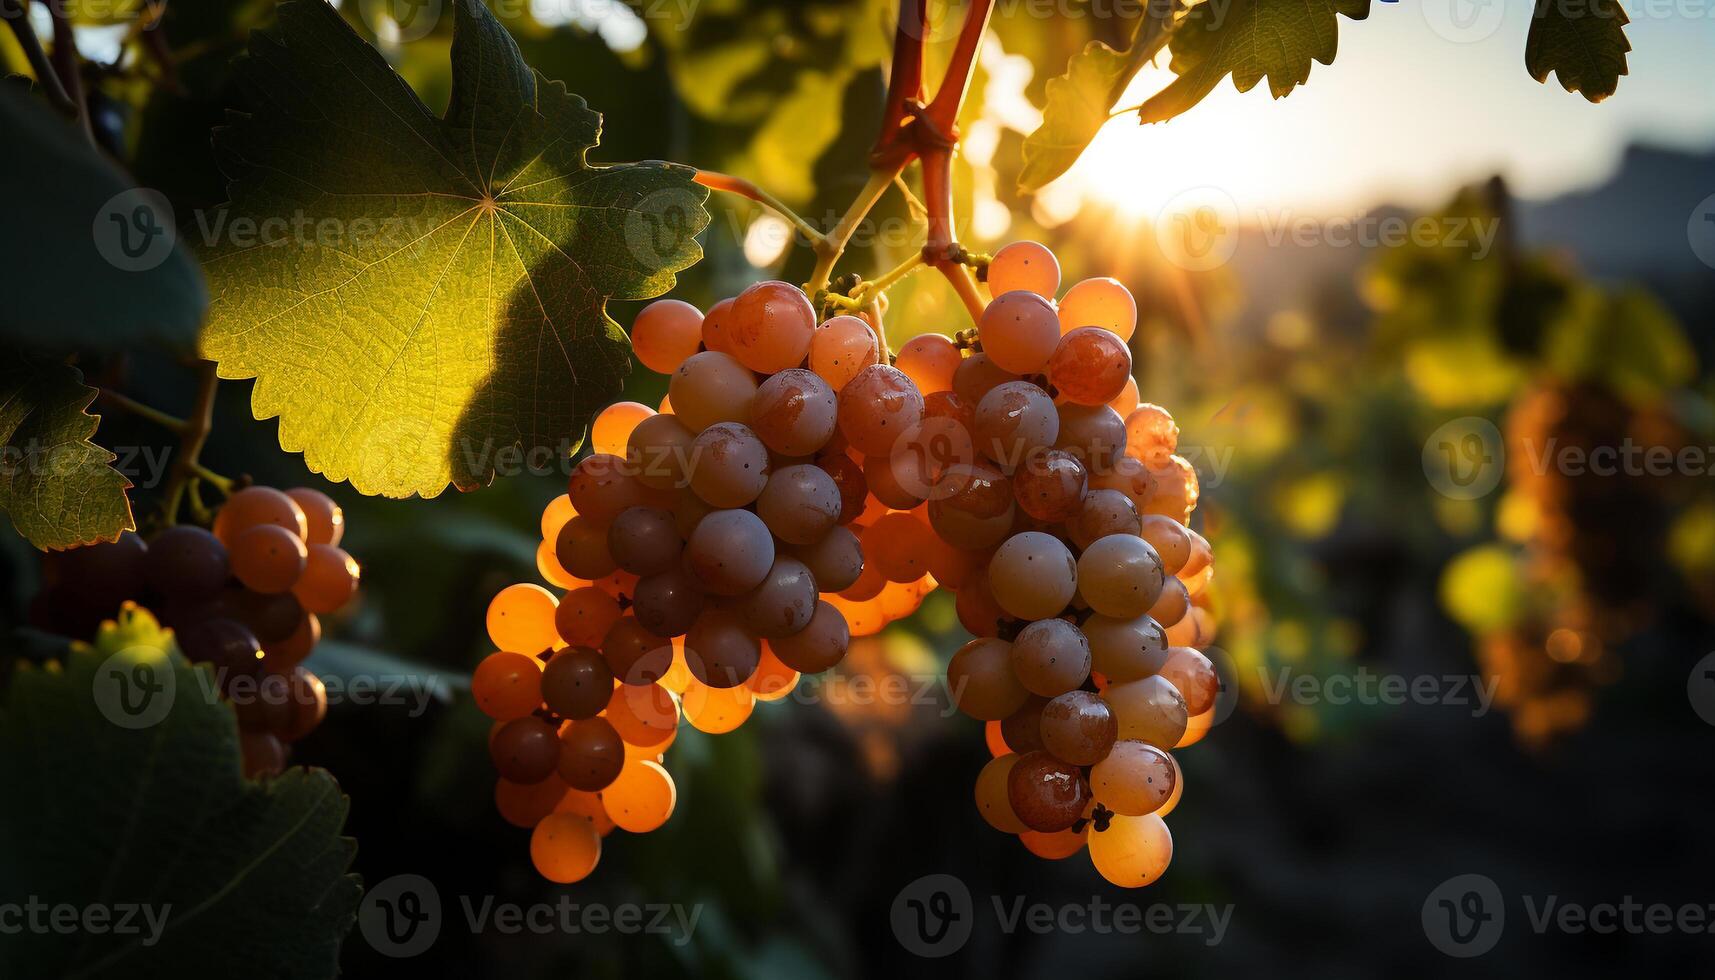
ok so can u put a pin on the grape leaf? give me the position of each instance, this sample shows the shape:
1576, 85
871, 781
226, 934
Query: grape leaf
1585, 43
1080, 102
85, 269
125, 793
58, 487
417, 296
1250, 40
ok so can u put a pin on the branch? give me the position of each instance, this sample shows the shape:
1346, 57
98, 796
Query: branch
194, 436
905, 80
950, 97
66, 62
745, 188
18, 19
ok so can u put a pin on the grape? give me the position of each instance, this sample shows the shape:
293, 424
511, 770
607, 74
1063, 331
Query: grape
258, 505
1056, 846
525, 750
644, 540
1134, 778
1174, 603
262, 754
665, 333
507, 685
1022, 730
842, 347
1104, 303
711, 387
586, 806
1125, 649
582, 549
795, 412
1095, 434
564, 848
1126, 402
528, 804
1193, 675
1201, 556
601, 486
849, 479
1120, 576
667, 604
948, 405
577, 683
548, 566
1151, 434
642, 798
1047, 795
896, 479
1178, 789
896, 545
770, 327
818, 646
930, 361
868, 584
636, 656
978, 375
835, 560
773, 679
718, 710
993, 800
1195, 728
800, 504
1103, 512
644, 715
309, 699
584, 616
729, 552
728, 465
283, 655
265, 706
978, 613
329, 580
521, 619
186, 564
1012, 420
1019, 331
1150, 709
957, 518
981, 682
1050, 657
656, 454
994, 740
591, 754
1049, 486
1078, 727
268, 558
952, 567
611, 431
1128, 476
1167, 536
716, 336
556, 514
1033, 576
1024, 265
879, 409
720, 651
783, 603
324, 520
1133, 851
1173, 489
1090, 366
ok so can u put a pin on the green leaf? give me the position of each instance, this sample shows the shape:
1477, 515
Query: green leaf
1583, 42
85, 268
1080, 102
56, 485
107, 808
433, 290
1250, 40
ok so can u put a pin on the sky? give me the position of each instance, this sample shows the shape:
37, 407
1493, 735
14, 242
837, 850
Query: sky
1404, 115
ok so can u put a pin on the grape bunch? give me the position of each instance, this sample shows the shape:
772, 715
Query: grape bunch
801, 485
245, 597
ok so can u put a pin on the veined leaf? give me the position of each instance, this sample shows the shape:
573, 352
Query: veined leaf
91, 260
415, 295
124, 788
58, 487
1250, 40
1584, 43
1080, 102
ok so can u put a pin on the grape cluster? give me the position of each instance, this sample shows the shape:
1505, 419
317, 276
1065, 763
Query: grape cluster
245, 597
800, 486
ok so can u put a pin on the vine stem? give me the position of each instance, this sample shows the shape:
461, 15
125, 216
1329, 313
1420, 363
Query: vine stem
137, 408
744, 188
197, 426
17, 18
66, 61
833, 245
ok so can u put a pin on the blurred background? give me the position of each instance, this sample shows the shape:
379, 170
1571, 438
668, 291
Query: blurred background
1382, 309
